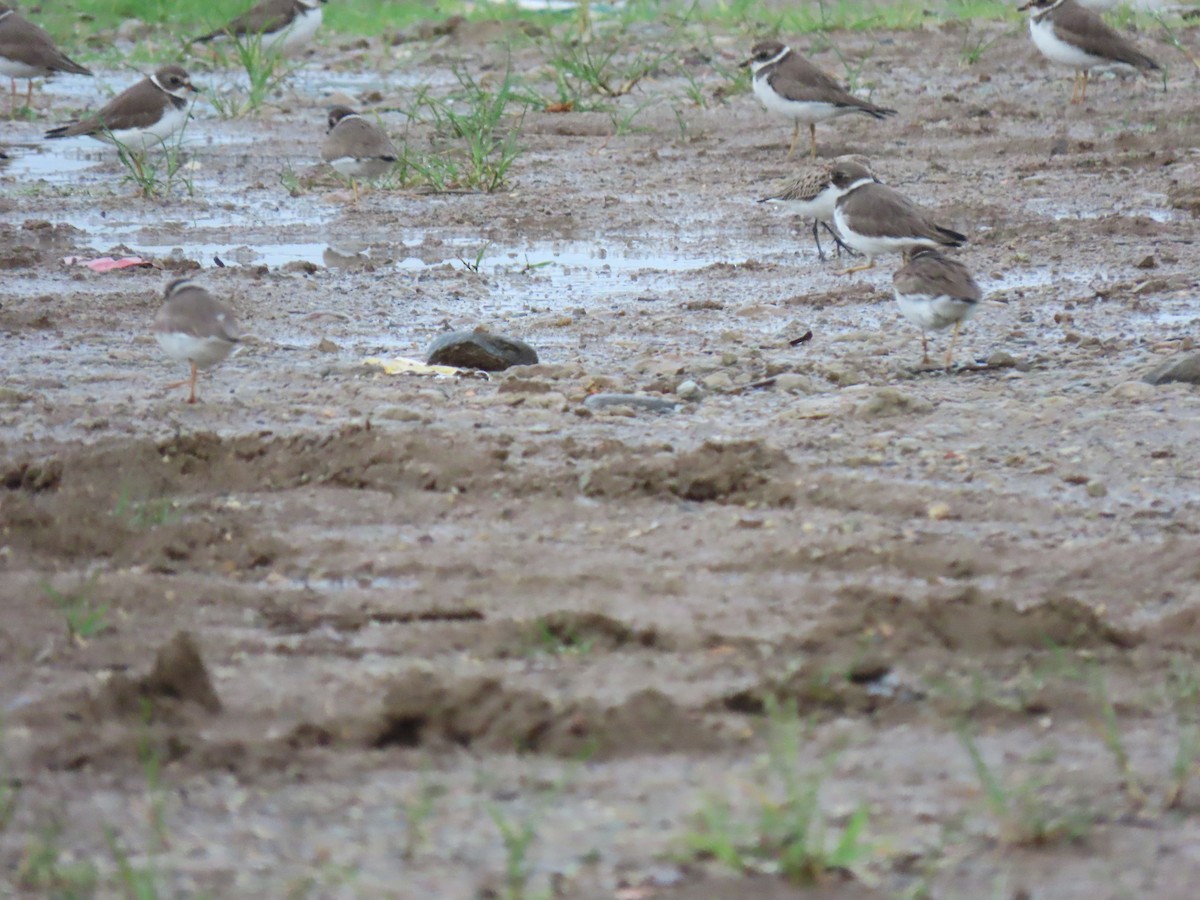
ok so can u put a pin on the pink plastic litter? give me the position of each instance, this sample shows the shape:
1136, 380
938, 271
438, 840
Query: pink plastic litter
107, 263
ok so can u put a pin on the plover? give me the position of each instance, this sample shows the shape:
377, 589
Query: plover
1070, 35
356, 148
26, 51
788, 84
874, 219
194, 327
140, 117
811, 193
935, 292
282, 26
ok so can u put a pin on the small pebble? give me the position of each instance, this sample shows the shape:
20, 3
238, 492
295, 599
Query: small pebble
938, 511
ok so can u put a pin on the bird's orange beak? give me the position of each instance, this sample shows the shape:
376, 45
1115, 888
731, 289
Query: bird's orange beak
746, 64
1025, 6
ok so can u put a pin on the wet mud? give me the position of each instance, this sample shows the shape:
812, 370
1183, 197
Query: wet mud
328, 595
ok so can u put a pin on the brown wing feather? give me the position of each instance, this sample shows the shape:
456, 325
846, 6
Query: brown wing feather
876, 210
197, 313
1089, 32
932, 273
357, 138
120, 112
798, 79
264, 18
27, 43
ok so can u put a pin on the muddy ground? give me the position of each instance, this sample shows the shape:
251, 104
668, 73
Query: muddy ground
426, 606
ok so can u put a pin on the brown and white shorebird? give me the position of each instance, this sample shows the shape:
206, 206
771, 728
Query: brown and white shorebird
26, 51
789, 85
811, 193
281, 26
1070, 35
140, 117
356, 148
194, 327
875, 219
935, 292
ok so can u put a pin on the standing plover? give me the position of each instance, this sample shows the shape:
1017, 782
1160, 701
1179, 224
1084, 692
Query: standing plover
26, 51
811, 193
357, 148
935, 292
1070, 35
874, 219
281, 26
194, 327
140, 117
788, 84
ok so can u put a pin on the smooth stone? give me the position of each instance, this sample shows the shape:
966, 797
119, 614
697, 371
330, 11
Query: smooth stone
1179, 368
479, 350
636, 401
689, 390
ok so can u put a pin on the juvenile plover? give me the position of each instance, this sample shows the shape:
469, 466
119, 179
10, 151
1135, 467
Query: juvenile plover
811, 193
194, 327
935, 292
357, 148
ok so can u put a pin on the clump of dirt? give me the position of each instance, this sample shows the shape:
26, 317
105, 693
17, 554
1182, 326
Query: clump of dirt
116, 720
574, 629
871, 636
964, 624
422, 709
178, 682
740, 472
33, 476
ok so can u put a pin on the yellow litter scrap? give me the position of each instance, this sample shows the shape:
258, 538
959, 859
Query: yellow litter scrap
403, 366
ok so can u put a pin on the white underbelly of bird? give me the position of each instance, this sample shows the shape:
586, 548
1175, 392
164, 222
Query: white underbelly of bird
800, 110
153, 136
204, 352
931, 312
353, 167
1057, 50
296, 35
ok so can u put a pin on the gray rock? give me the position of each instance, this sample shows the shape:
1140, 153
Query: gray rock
689, 390
635, 401
1184, 368
479, 350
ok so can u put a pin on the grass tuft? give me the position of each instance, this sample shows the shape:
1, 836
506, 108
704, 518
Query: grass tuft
1025, 815
788, 833
266, 70
84, 618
